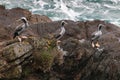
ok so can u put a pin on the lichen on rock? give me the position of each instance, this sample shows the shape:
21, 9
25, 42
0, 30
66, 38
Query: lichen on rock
44, 54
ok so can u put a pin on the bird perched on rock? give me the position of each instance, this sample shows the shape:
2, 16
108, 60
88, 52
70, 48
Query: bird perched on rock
58, 35
61, 31
96, 35
19, 29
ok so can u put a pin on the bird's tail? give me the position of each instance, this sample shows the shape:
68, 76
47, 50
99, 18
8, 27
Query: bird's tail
14, 35
91, 41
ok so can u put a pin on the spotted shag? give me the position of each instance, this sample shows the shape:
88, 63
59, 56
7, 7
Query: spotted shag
61, 31
19, 29
96, 35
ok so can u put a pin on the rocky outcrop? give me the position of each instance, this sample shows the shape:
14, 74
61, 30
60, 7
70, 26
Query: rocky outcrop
15, 55
8, 19
37, 58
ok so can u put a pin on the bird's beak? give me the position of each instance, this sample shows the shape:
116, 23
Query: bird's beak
103, 25
66, 23
18, 20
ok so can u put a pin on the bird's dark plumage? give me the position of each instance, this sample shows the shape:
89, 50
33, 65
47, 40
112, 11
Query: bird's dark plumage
17, 32
57, 36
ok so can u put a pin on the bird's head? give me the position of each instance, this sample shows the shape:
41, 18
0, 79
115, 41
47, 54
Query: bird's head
22, 19
63, 23
100, 26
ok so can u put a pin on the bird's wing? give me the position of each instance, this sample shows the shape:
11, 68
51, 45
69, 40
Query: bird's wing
57, 33
94, 33
57, 36
93, 36
19, 28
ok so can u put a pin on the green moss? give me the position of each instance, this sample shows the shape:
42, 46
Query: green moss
26, 71
44, 53
45, 60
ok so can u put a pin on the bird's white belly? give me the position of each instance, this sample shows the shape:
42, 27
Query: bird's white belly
98, 33
62, 31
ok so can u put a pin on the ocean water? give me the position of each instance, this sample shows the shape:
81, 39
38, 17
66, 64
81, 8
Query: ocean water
77, 10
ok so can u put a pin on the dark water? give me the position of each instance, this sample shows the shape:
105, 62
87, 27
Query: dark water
108, 10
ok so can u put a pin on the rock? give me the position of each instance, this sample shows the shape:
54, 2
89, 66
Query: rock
34, 19
4, 33
44, 54
109, 41
16, 49
2, 8
12, 56
81, 55
8, 19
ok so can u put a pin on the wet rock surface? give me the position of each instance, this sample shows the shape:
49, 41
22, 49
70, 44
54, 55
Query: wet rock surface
37, 58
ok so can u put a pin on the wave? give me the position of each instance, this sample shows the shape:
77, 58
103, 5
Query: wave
71, 9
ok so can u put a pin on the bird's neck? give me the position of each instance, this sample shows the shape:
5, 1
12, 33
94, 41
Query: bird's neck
62, 26
26, 24
99, 29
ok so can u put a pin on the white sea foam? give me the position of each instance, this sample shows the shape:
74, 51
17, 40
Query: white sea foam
108, 10
109, 6
115, 1
71, 13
